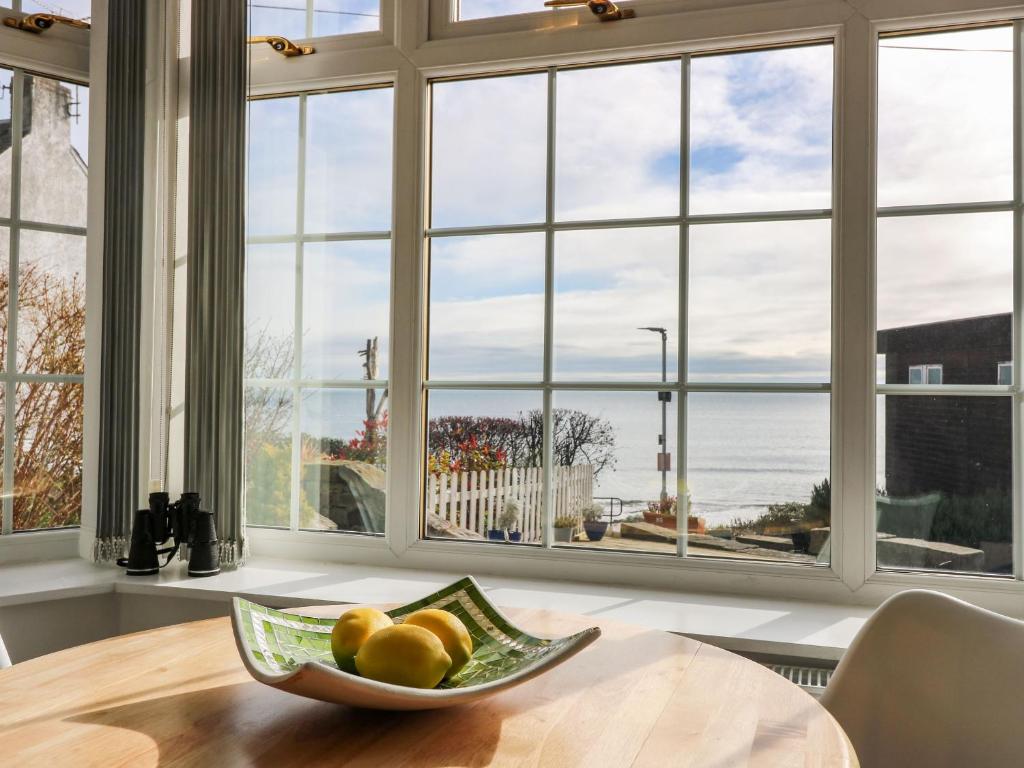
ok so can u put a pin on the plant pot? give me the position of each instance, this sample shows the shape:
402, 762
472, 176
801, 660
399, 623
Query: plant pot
595, 529
563, 535
496, 534
801, 540
515, 535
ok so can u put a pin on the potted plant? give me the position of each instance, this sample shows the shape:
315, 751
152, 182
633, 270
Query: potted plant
564, 526
595, 527
508, 521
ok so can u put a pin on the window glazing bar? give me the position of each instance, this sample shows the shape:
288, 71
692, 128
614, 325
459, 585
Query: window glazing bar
940, 209
317, 383
300, 222
682, 350
548, 441
657, 221
947, 390
320, 237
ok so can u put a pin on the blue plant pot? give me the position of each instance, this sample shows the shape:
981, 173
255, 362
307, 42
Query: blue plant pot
595, 531
495, 534
515, 535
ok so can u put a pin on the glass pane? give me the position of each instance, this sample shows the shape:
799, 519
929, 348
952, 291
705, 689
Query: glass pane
945, 484
489, 160
268, 456
348, 161
278, 17
6, 133
945, 295
483, 327
613, 488
760, 301
346, 288
483, 474
916, 374
758, 476
55, 152
273, 166
761, 130
74, 9
481, 9
618, 141
945, 117
330, 17
270, 311
612, 287
344, 460
51, 303
344, 17
48, 456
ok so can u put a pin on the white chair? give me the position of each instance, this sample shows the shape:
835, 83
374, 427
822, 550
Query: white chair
5, 660
932, 681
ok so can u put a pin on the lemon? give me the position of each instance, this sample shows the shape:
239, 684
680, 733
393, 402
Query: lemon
404, 655
450, 631
352, 630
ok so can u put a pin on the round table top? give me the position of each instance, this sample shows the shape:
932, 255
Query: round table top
180, 696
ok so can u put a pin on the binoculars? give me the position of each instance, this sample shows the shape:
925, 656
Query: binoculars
183, 521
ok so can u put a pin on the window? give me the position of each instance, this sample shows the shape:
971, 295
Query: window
317, 310
925, 374
564, 270
313, 18
1004, 374
945, 293
43, 201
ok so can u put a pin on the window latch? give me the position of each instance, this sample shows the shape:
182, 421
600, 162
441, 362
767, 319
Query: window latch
40, 22
605, 11
283, 45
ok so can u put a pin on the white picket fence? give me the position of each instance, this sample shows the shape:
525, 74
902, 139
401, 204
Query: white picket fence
473, 500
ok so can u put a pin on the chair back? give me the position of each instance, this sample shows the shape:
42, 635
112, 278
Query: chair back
932, 680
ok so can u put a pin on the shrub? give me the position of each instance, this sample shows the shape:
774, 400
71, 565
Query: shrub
565, 521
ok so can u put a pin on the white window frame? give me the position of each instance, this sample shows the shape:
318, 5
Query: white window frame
1000, 367
62, 53
425, 49
926, 371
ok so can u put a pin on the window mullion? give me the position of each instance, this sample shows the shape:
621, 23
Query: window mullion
11, 361
1017, 429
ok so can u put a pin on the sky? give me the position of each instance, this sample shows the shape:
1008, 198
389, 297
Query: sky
761, 138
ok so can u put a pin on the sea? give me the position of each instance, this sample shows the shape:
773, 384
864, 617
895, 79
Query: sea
744, 451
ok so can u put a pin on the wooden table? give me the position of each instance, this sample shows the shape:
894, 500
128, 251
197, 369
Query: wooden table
180, 696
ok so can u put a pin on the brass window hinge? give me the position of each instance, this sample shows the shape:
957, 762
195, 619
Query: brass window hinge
283, 45
40, 22
606, 11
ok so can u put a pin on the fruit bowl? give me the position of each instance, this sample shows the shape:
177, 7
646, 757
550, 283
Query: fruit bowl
292, 653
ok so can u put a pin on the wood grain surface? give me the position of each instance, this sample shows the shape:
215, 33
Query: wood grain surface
179, 696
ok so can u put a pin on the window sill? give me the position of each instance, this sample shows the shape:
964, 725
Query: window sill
748, 625
33, 546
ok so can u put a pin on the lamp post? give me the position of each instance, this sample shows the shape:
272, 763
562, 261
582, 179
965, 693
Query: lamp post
665, 397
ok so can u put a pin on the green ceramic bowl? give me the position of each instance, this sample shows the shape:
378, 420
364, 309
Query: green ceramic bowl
293, 653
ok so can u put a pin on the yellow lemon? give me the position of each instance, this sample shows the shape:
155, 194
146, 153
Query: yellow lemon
404, 655
450, 631
352, 630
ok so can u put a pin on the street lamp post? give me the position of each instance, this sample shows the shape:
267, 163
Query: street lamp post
665, 397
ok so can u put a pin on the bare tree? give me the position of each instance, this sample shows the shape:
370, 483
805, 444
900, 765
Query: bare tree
48, 415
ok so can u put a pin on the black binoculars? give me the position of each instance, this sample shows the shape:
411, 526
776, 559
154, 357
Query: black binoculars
183, 521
